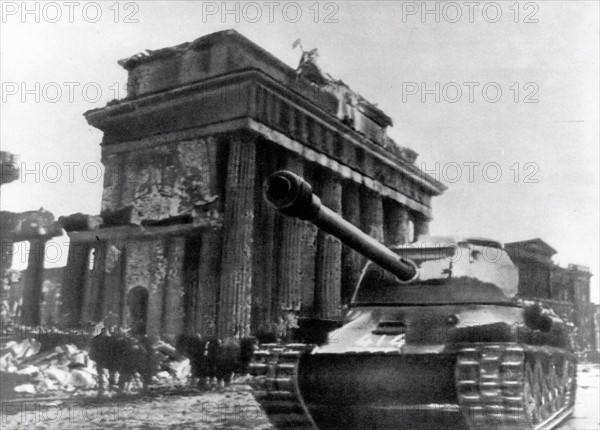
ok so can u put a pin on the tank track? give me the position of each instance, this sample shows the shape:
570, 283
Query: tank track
274, 368
509, 386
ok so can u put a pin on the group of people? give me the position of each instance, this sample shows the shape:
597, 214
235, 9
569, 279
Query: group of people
125, 356
214, 361
121, 356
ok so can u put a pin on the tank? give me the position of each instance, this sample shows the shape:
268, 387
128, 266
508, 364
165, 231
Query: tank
435, 337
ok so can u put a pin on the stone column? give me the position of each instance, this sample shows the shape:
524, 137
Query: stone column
395, 226
158, 273
94, 284
73, 282
33, 280
172, 315
371, 214
308, 250
113, 282
208, 280
264, 278
421, 223
123, 288
236, 269
352, 261
329, 254
192, 287
290, 270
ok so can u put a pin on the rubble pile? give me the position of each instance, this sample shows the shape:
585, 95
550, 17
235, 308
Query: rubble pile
27, 369
24, 369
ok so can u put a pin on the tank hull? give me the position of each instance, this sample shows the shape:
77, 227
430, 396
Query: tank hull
420, 367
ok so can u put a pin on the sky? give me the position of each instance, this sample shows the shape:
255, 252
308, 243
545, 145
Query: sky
500, 99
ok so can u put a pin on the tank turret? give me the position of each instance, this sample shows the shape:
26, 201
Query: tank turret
293, 196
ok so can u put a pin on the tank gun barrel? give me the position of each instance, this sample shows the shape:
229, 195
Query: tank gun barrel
293, 196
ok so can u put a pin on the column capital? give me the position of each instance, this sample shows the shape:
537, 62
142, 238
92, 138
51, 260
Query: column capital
244, 137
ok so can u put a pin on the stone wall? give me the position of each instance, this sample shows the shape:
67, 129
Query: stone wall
171, 180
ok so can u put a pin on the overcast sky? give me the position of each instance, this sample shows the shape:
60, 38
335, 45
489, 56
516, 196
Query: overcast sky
513, 132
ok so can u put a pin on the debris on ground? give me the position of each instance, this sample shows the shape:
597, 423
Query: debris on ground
26, 370
62, 368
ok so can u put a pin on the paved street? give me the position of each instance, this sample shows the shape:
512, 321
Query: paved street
230, 409
586, 415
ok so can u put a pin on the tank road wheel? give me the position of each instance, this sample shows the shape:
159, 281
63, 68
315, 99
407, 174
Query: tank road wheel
554, 398
542, 392
535, 395
467, 376
563, 384
568, 382
492, 387
530, 389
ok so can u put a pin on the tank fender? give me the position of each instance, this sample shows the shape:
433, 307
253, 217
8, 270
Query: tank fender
494, 332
